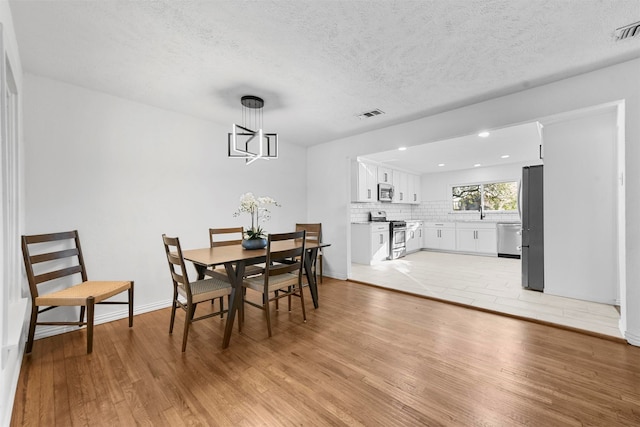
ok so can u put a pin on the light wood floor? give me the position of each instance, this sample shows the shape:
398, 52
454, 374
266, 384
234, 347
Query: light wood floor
489, 283
367, 356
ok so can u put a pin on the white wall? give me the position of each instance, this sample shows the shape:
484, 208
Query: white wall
328, 165
123, 173
437, 186
580, 208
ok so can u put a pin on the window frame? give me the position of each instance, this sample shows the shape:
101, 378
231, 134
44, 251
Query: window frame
482, 184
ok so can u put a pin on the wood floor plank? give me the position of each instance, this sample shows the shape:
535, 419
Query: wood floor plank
366, 357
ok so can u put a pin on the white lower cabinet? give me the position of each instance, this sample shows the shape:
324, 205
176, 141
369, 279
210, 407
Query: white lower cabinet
476, 237
414, 236
440, 235
369, 242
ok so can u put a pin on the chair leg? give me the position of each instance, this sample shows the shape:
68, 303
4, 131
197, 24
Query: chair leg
32, 326
267, 300
173, 313
320, 259
244, 296
289, 299
266, 311
81, 315
221, 307
131, 305
304, 314
90, 306
187, 322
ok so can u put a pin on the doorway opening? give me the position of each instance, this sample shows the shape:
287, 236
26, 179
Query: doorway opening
478, 280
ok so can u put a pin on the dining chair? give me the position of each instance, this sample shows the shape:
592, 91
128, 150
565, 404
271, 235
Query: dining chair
52, 261
314, 234
231, 236
282, 275
192, 293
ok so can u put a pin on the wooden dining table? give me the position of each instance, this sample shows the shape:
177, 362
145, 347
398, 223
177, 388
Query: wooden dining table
235, 258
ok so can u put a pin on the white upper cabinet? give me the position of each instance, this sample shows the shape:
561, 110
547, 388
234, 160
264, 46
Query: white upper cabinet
400, 194
415, 188
384, 175
406, 187
366, 176
364, 182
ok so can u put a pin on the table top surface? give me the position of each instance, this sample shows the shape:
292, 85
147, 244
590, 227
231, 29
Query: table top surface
235, 253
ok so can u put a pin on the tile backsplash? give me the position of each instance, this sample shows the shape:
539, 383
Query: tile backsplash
433, 210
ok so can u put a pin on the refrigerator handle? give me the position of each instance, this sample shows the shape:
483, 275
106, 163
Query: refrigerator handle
520, 199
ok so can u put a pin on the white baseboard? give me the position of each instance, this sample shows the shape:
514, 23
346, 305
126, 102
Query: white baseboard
51, 330
633, 338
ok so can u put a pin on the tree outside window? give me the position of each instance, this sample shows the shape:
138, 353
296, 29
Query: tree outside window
496, 196
501, 196
467, 198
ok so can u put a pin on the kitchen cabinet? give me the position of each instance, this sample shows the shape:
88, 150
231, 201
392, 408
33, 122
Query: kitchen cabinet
406, 187
384, 175
414, 236
364, 182
400, 187
414, 189
440, 236
476, 237
369, 242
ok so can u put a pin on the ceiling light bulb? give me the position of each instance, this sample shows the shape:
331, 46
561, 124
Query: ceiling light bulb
476, 165
506, 156
483, 134
402, 148
440, 164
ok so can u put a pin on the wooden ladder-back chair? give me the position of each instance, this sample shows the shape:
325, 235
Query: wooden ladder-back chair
193, 292
236, 234
227, 237
43, 267
314, 234
282, 273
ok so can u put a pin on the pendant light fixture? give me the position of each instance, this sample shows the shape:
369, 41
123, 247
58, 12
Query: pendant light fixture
249, 141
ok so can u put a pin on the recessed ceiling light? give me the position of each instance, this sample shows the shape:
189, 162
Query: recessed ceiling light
477, 165
402, 148
506, 156
440, 164
483, 134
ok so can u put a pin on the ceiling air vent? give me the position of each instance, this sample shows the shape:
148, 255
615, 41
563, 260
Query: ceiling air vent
371, 113
628, 31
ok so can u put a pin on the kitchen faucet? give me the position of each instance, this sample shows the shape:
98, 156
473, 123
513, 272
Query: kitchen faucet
482, 214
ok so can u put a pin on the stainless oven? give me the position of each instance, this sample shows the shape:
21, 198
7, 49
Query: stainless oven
397, 239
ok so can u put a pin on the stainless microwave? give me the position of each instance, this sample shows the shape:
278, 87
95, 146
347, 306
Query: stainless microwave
385, 192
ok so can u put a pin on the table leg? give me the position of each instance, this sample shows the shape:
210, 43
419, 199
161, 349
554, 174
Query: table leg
308, 270
200, 269
235, 303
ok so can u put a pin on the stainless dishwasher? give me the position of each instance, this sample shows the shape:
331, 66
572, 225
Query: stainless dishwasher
509, 239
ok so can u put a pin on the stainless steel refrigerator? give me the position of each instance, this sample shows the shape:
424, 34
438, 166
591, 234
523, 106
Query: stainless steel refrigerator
531, 211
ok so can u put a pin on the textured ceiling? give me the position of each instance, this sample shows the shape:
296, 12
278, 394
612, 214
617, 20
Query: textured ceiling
318, 64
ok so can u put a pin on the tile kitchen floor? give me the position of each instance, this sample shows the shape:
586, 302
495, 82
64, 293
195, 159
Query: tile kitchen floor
488, 282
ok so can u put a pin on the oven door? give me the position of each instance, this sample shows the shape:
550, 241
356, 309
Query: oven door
398, 243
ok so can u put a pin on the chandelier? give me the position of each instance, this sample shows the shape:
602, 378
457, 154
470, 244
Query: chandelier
248, 141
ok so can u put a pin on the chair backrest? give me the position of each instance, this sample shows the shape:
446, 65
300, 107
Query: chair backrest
63, 259
314, 231
287, 260
225, 232
178, 270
